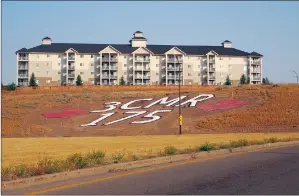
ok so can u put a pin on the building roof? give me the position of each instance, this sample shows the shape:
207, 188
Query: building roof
127, 49
47, 38
22, 50
138, 32
255, 54
227, 41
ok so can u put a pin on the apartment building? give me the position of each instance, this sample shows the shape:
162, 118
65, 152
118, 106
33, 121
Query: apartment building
138, 63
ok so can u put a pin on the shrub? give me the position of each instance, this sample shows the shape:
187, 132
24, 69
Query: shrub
32, 81
117, 157
239, 143
50, 166
79, 81
122, 81
20, 170
11, 87
95, 157
271, 140
77, 161
227, 81
170, 150
206, 147
243, 79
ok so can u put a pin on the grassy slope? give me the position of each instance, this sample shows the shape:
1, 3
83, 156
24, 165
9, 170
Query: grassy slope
30, 150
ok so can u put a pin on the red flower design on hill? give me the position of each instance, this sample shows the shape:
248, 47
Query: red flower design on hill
226, 104
65, 113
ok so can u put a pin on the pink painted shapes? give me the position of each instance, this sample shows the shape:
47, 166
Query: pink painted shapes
65, 113
227, 104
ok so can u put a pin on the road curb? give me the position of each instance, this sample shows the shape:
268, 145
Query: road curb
136, 164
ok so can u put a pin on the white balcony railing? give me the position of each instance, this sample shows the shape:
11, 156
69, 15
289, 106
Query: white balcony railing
22, 83
23, 58
211, 77
172, 60
71, 58
211, 60
211, 69
23, 67
255, 70
23, 75
71, 67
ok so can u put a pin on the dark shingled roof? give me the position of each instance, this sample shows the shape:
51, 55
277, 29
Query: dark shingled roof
255, 54
141, 38
127, 49
22, 50
138, 32
227, 41
46, 38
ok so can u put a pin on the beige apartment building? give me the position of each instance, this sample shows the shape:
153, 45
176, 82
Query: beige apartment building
137, 62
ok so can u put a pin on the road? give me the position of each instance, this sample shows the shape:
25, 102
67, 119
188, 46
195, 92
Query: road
273, 171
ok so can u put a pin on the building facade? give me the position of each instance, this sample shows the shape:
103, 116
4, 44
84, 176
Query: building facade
138, 63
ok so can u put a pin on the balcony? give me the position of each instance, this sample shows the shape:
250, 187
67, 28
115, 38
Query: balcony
255, 71
71, 58
211, 77
105, 59
146, 60
174, 68
22, 67
23, 75
113, 77
23, 58
105, 76
113, 59
211, 69
71, 67
113, 68
146, 77
211, 60
138, 76
172, 60
22, 83
146, 69
256, 62
256, 78
71, 75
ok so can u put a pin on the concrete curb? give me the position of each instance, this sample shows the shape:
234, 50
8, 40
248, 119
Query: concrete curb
136, 164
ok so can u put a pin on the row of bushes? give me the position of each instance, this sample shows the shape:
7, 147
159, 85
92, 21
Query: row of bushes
97, 158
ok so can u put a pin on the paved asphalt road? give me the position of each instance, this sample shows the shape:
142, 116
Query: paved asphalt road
273, 171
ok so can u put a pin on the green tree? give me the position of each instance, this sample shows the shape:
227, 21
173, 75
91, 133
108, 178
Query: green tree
11, 87
227, 81
79, 81
267, 81
32, 81
243, 79
122, 81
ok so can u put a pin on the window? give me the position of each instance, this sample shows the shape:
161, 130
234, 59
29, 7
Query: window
91, 56
48, 55
198, 74
157, 65
58, 64
81, 64
189, 74
47, 72
81, 73
125, 57
37, 56
59, 73
189, 66
157, 57
229, 58
91, 64
157, 74
81, 56
229, 66
59, 56
199, 58
47, 64
125, 65
91, 73
220, 58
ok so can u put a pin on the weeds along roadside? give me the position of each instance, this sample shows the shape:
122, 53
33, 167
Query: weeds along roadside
97, 158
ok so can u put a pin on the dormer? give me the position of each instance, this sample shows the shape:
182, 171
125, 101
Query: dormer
46, 41
138, 40
227, 44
